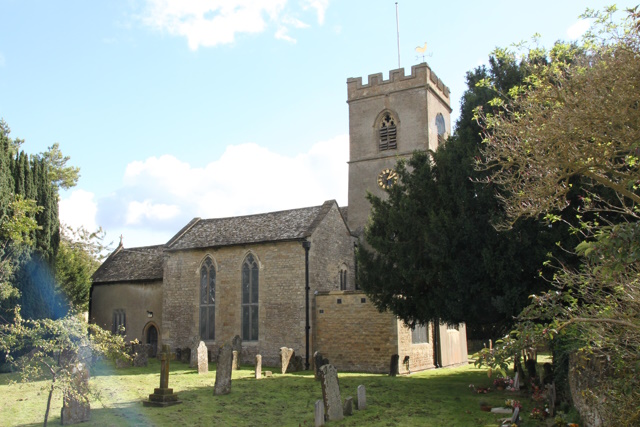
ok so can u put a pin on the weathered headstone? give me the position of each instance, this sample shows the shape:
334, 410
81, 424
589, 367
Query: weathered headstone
362, 397
516, 414
516, 382
75, 407
393, 366
258, 366
223, 371
140, 354
236, 345
331, 393
203, 358
185, 355
121, 363
285, 356
234, 363
317, 363
348, 406
195, 343
296, 363
268, 374
319, 413
163, 396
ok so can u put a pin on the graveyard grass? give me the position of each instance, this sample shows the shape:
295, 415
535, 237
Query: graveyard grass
431, 398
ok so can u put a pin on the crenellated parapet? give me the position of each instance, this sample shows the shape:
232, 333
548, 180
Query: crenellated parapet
421, 76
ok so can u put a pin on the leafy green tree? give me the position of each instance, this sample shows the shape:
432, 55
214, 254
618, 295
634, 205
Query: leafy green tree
432, 250
578, 121
54, 348
78, 258
61, 175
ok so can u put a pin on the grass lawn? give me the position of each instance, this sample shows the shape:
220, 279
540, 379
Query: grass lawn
431, 398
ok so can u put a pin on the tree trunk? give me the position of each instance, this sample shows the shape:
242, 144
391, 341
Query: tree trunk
46, 413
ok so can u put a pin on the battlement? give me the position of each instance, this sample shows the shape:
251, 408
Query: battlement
421, 76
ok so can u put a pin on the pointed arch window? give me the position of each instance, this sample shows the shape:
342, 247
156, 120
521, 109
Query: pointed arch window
388, 133
441, 127
207, 300
343, 277
250, 292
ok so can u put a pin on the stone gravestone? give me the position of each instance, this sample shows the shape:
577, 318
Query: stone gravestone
516, 382
319, 413
195, 343
516, 414
75, 407
362, 397
203, 358
348, 406
393, 366
331, 393
258, 366
236, 345
296, 363
317, 363
234, 360
163, 396
285, 356
223, 371
141, 354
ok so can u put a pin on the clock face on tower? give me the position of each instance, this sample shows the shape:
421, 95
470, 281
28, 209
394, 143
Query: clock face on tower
387, 178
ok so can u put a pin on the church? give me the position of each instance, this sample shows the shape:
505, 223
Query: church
289, 278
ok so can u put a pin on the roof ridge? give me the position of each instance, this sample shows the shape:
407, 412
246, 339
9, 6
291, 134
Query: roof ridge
261, 213
181, 233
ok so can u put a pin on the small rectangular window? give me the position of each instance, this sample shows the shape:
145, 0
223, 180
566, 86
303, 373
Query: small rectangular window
119, 322
420, 334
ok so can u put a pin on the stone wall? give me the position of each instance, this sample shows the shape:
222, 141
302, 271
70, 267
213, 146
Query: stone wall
281, 309
420, 355
136, 299
352, 334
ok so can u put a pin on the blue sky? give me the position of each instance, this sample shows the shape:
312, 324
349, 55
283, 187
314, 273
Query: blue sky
176, 109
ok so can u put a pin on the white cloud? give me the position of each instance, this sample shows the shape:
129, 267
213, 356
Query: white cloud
209, 23
161, 194
79, 210
576, 30
319, 5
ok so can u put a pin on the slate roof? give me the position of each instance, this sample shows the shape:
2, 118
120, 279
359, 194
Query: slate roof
132, 264
294, 224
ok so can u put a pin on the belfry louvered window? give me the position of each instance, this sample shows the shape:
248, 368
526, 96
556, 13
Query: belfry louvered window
207, 300
441, 128
388, 133
250, 292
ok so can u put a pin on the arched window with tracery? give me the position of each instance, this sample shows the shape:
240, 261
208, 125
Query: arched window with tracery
388, 132
343, 277
207, 300
250, 292
441, 128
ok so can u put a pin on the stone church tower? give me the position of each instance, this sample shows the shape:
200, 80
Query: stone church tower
389, 120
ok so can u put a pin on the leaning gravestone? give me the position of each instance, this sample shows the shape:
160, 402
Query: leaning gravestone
319, 413
203, 358
348, 406
393, 366
223, 371
331, 393
258, 366
285, 356
362, 397
75, 407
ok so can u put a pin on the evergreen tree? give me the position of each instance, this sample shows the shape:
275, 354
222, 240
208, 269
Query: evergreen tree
432, 250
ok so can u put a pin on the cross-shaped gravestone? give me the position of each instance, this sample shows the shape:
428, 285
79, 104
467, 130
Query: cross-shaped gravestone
163, 396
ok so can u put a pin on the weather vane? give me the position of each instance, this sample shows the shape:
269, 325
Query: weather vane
422, 50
